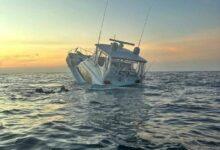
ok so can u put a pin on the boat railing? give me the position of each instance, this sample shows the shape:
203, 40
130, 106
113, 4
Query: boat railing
84, 52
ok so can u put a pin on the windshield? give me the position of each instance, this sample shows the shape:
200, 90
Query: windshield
133, 67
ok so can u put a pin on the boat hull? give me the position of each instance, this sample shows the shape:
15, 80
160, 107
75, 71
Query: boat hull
73, 60
84, 70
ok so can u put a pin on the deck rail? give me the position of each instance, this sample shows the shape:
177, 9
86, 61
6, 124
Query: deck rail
83, 51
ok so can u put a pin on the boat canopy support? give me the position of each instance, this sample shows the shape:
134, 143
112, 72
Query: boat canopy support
122, 42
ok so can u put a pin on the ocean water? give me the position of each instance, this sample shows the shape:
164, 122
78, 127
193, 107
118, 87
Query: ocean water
171, 110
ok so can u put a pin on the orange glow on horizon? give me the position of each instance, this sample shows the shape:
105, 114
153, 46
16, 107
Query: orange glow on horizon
27, 54
49, 53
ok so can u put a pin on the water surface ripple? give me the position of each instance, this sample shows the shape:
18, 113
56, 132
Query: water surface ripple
172, 110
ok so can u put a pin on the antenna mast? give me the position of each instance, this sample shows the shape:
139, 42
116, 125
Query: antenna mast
103, 19
145, 23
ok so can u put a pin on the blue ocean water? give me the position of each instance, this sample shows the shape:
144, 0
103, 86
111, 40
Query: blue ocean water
171, 110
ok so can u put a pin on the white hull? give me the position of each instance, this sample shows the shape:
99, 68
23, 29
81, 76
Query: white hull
73, 67
84, 71
110, 65
87, 72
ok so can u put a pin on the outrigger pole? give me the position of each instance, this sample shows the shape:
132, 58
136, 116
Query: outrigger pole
103, 20
145, 23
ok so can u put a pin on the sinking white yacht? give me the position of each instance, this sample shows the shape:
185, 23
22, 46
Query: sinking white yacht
109, 64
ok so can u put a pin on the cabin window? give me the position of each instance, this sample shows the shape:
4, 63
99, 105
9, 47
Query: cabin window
102, 59
122, 65
142, 69
135, 66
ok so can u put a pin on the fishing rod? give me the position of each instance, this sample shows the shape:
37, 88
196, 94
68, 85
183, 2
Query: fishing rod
145, 24
103, 20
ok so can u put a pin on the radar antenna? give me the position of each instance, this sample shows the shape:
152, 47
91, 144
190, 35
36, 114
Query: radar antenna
145, 23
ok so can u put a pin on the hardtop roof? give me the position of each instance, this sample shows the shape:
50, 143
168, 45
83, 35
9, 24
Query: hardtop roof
120, 53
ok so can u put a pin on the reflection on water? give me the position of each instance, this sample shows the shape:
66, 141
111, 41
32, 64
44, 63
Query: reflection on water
23, 116
171, 110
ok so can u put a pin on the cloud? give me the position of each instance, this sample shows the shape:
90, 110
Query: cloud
197, 49
20, 58
36, 42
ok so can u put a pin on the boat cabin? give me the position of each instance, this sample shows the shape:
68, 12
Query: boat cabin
109, 64
116, 60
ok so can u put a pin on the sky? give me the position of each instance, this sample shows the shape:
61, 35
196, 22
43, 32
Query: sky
181, 35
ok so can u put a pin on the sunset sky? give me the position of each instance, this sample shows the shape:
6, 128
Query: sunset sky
180, 34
